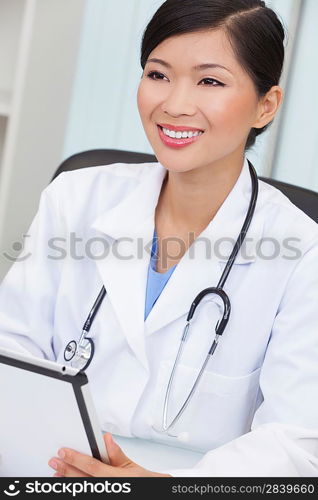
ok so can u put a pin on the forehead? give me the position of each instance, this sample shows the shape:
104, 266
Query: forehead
197, 48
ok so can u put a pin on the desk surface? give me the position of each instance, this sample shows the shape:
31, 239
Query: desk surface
155, 456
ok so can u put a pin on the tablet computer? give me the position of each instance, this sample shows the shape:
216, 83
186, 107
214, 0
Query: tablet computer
44, 406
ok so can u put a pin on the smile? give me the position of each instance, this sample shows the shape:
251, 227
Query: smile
178, 139
180, 135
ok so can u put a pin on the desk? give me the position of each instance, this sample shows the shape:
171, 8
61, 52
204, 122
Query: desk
157, 457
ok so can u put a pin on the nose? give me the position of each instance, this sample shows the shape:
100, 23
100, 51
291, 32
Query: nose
179, 101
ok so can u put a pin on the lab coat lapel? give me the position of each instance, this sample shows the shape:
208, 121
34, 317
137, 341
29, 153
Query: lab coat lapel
129, 229
202, 265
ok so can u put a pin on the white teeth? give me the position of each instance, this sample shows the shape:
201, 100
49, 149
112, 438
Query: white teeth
179, 135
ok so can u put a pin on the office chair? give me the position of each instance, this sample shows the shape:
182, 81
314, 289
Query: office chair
305, 199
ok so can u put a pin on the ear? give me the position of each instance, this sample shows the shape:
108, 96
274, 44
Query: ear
268, 106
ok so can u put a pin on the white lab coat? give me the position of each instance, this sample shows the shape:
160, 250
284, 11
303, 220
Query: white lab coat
255, 412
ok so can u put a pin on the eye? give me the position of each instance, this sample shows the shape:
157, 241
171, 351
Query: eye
212, 82
154, 74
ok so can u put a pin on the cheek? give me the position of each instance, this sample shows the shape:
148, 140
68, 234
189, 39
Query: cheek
146, 100
231, 112
140, 103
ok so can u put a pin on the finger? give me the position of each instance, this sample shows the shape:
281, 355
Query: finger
85, 463
65, 470
117, 457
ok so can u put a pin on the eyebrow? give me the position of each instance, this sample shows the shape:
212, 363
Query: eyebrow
199, 67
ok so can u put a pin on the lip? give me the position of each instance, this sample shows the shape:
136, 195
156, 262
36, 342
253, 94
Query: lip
180, 128
176, 143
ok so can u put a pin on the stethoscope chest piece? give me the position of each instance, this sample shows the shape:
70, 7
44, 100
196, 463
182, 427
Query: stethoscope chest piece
79, 355
70, 350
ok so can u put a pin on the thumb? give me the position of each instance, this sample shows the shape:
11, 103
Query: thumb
117, 457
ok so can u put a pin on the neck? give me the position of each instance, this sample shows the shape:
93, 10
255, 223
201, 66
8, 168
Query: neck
190, 200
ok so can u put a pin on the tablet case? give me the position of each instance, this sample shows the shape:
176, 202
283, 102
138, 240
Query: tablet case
44, 406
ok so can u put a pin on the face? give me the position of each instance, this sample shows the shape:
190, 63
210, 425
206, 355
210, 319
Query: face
219, 101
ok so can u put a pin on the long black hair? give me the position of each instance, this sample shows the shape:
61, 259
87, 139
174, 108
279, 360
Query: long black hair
255, 32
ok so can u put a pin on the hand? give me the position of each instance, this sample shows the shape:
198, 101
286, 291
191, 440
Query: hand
74, 464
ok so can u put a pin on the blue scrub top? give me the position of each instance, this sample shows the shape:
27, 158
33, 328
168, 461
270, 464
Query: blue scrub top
155, 281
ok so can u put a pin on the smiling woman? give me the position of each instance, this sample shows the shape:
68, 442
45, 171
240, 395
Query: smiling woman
209, 87
234, 378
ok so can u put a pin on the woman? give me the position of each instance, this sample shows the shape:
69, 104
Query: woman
210, 85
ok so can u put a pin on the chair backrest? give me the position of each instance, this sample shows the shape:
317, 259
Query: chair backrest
305, 199
97, 157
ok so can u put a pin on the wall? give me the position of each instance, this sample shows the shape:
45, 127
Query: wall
297, 150
36, 77
103, 111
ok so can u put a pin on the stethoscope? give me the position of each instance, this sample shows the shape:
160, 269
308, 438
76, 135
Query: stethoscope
80, 354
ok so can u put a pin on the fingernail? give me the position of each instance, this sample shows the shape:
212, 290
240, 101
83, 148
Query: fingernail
61, 453
53, 464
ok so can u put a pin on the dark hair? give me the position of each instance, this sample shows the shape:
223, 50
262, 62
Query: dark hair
254, 31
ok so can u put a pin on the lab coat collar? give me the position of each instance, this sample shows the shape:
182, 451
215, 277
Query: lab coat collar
130, 221
128, 218
126, 279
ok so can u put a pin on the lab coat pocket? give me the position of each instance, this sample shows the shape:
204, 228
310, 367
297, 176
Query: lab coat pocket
221, 409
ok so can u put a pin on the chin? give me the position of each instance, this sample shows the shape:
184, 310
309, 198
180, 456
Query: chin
176, 161
172, 166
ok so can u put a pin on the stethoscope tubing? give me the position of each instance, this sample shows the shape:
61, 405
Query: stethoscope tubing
246, 225
220, 327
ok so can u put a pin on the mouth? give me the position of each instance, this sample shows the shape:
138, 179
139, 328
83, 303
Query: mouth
179, 138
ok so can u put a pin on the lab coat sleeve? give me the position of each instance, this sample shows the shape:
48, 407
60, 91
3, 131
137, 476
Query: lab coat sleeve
283, 440
28, 292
